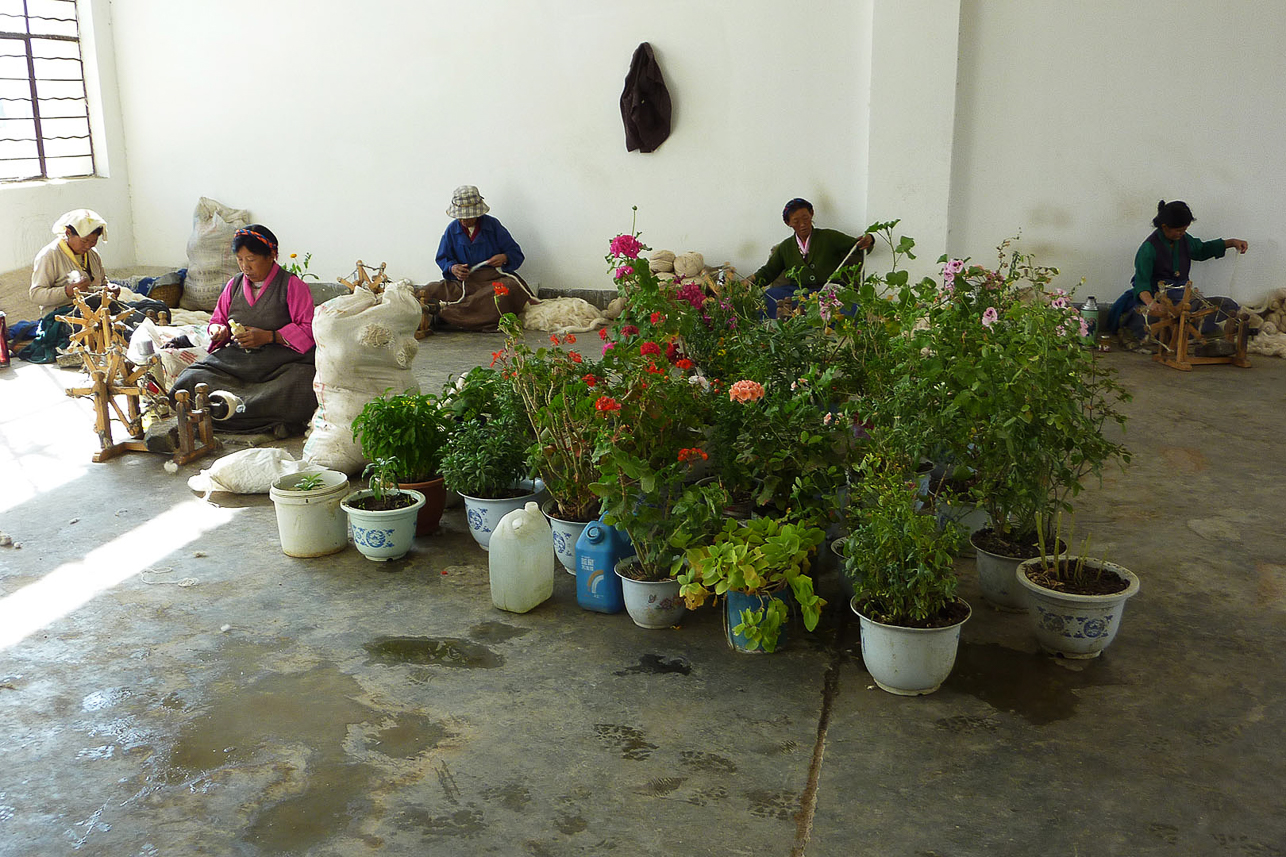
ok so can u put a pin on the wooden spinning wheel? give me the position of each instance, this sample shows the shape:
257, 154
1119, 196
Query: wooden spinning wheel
1178, 331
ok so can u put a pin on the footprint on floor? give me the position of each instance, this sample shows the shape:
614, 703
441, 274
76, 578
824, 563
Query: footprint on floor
699, 760
773, 804
630, 741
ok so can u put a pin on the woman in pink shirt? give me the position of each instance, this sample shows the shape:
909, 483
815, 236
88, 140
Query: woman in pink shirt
262, 345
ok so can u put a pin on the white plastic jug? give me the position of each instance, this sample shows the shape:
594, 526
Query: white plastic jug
522, 560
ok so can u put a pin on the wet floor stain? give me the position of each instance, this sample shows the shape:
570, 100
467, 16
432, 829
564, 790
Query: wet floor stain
496, 632
512, 796
631, 742
336, 795
445, 651
100, 700
1033, 686
657, 665
410, 735
699, 760
464, 823
765, 803
313, 708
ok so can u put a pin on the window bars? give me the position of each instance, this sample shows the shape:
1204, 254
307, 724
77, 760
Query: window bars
44, 115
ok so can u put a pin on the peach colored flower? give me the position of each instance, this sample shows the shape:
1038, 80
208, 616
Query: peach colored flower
746, 391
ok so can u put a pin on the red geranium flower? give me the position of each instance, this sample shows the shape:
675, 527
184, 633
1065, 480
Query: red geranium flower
657, 318
589, 380
554, 339
629, 330
570, 339
607, 404
683, 363
500, 289
649, 348
671, 351
576, 358
602, 333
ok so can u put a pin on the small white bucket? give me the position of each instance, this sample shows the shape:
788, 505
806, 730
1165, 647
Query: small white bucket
311, 523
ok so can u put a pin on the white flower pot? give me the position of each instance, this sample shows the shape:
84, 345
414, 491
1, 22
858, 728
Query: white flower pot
311, 523
908, 661
996, 577
651, 604
385, 535
566, 534
1075, 626
484, 513
970, 518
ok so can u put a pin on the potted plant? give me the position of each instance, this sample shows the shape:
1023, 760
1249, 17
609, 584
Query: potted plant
901, 564
1075, 601
382, 516
310, 520
752, 564
486, 454
996, 376
556, 389
410, 429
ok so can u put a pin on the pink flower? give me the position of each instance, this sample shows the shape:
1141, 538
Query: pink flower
626, 245
624, 271
1059, 303
607, 346
1085, 328
827, 419
990, 317
953, 267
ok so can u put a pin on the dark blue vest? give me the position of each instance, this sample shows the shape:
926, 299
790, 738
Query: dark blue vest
1163, 269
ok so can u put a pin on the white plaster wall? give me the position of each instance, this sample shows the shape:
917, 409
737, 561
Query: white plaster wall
28, 210
912, 123
346, 126
1074, 119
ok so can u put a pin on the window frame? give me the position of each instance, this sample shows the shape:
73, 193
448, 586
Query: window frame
33, 81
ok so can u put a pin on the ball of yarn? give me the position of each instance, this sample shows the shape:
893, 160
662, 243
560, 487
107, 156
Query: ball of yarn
689, 264
665, 276
662, 261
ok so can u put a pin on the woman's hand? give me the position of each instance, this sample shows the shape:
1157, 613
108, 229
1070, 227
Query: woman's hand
497, 261
253, 337
1236, 244
460, 272
866, 242
219, 334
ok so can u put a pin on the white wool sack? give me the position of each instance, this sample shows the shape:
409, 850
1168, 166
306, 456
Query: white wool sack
563, 315
689, 264
662, 262
365, 346
211, 262
250, 471
615, 308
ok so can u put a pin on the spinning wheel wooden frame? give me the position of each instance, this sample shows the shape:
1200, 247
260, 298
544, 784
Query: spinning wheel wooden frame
1178, 330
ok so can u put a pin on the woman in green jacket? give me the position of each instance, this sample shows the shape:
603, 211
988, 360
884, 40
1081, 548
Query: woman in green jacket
817, 253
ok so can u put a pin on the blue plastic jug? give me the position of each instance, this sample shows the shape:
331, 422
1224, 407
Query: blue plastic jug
598, 550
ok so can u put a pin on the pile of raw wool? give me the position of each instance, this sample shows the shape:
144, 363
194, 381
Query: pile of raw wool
668, 266
1269, 318
568, 315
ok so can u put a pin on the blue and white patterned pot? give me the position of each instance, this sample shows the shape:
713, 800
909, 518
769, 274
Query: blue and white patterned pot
1075, 626
566, 534
383, 535
484, 513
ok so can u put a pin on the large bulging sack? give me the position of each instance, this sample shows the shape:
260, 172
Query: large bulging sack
211, 262
365, 346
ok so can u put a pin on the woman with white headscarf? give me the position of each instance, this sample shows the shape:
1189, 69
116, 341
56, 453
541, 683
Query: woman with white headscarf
69, 264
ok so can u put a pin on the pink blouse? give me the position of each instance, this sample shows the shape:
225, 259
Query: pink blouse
299, 299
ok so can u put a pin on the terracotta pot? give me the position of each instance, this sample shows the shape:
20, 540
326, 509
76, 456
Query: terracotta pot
435, 497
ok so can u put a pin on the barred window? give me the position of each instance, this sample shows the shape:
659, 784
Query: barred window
44, 116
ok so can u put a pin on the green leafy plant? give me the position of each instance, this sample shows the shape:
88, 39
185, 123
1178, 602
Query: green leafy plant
762, 556
486, 452
311, 482
300, 269
899, 559
385, 493
411, 429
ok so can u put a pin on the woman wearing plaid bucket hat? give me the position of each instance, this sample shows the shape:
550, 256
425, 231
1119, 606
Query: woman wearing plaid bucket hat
476, 251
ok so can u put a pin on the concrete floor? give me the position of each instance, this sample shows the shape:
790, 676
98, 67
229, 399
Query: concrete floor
344, 707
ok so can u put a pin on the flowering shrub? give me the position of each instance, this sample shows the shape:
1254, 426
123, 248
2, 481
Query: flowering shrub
564, 410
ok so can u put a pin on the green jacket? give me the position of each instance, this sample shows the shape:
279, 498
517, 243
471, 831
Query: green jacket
826, 249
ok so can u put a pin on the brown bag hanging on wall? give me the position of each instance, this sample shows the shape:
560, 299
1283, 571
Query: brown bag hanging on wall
645, 103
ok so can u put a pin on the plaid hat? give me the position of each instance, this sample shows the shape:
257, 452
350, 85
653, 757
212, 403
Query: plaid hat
467, 202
